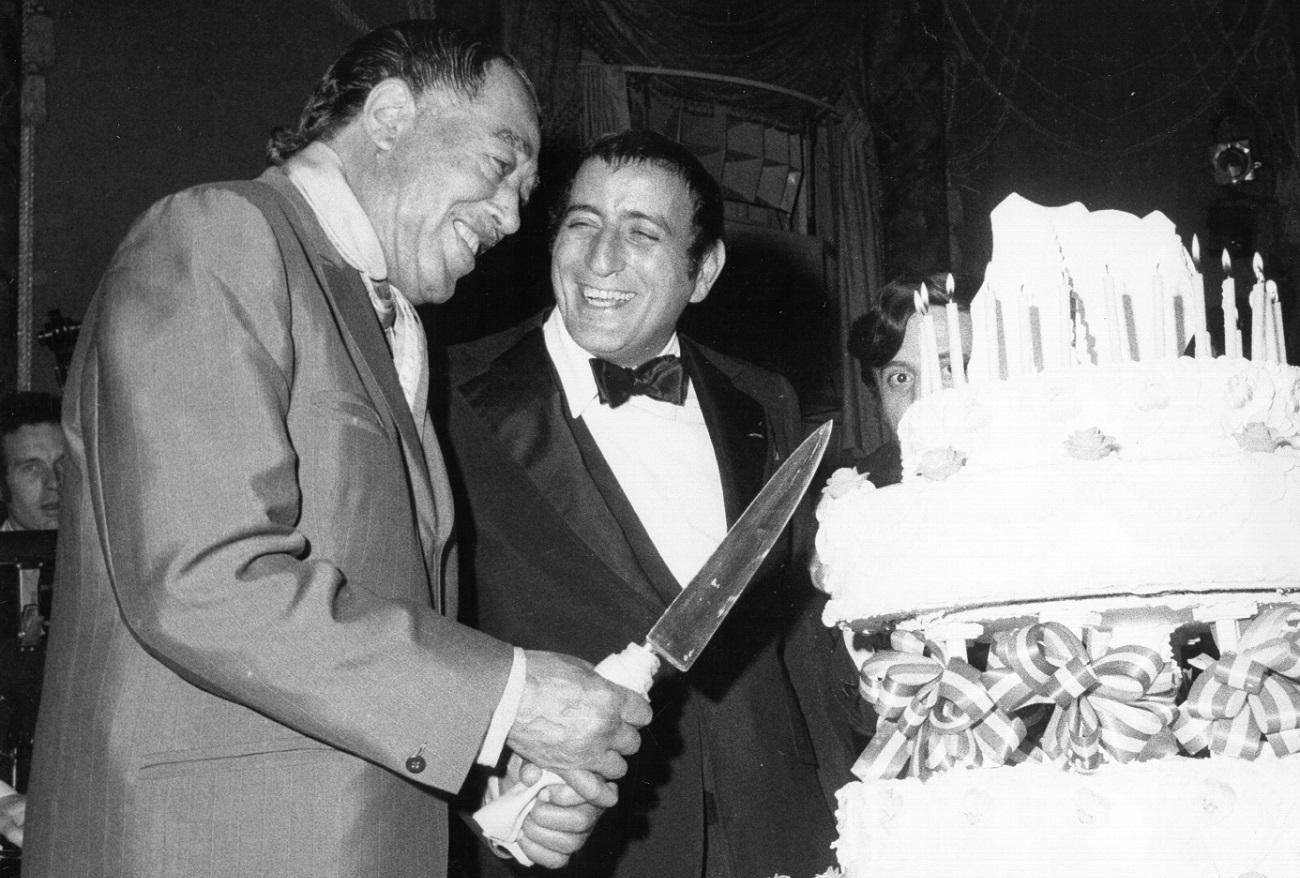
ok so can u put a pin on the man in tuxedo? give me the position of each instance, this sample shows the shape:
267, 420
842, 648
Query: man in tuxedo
254, 663
609, 454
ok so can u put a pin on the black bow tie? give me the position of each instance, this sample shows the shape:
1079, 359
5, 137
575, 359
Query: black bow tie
661, 378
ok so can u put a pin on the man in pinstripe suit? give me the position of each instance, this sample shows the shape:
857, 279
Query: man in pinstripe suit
254, 666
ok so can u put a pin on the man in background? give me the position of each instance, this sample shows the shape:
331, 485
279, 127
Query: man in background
254, 663
604, 457
31, 459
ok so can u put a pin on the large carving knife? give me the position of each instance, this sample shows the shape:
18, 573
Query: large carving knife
691, 619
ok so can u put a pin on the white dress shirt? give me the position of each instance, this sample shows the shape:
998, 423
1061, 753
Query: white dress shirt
660, 453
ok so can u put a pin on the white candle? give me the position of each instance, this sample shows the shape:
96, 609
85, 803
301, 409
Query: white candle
1158, 316
1275, 304
1258, 312
955, 354
1129, 332
1028, 363
992, 345
1112, 318
931, 371
1198, 331
1231, 335
1268, 333
1061, 311
1171, 323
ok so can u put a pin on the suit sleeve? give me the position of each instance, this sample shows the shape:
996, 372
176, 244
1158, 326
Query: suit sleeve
194, 471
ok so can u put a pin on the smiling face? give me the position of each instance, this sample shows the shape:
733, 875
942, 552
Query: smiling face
899, 380
33, 476
620, 265
453, 175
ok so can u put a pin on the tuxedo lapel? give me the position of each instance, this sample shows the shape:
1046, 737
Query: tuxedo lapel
738, 427
638, 539
519, 399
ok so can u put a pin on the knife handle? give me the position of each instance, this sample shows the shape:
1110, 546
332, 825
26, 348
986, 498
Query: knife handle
502, 820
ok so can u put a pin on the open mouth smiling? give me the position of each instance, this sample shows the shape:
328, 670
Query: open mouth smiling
600, 298
475, 243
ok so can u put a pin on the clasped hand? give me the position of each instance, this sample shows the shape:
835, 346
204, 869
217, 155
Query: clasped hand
577, 724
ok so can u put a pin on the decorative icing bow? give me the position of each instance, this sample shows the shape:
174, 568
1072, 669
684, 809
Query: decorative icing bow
935, 712
1115, 704
1247, 696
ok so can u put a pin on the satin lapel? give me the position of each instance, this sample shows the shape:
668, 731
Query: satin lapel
638, 539
359, 328
519, 399
738, 427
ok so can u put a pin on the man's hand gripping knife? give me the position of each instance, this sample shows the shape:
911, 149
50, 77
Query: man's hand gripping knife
502, 820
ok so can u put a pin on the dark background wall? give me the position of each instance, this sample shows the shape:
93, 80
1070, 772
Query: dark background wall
1112, 103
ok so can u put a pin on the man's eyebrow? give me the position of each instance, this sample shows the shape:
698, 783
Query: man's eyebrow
512, 138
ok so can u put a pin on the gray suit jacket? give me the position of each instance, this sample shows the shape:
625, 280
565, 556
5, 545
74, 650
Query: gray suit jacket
252, 631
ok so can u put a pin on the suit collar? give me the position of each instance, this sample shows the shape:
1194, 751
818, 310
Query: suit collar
357, 323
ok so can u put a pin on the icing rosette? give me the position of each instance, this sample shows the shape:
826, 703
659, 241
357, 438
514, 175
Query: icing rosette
1260, 437
1249, 696
1267, 394
1114, 705
1090, 444
935, 713
938, 464
843, 481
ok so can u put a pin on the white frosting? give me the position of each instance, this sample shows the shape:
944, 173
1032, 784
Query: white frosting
1172, 818
1179, 505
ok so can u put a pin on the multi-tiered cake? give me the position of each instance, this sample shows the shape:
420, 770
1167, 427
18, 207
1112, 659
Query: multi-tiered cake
1075, 617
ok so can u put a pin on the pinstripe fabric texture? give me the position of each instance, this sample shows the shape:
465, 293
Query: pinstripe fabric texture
248, 636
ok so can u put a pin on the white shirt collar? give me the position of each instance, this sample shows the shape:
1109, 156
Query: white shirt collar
317, 172
573, 363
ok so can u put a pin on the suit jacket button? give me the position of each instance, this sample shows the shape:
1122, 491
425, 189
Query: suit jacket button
416, 763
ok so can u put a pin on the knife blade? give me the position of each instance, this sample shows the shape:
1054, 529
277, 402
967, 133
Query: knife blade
694, 616
690, 620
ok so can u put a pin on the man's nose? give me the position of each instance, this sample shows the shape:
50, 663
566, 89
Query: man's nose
506, 210
54, 478
605, 256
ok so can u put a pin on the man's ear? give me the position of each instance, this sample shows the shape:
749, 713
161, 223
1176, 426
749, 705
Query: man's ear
710, 268
389, 110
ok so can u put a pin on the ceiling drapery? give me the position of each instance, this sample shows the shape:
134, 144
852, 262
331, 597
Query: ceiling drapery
1048, 66
805, 47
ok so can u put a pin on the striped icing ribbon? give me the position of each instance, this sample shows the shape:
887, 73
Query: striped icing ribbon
1249, 696
935, 713
1113, 705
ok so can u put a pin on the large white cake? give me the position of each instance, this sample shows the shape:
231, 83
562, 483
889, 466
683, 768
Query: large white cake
1076, 618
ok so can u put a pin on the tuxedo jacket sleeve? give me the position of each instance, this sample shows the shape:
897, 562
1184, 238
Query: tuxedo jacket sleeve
251, 569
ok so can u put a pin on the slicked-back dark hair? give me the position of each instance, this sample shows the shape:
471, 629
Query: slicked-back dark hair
649, 147
876, 336
25, 409
419, 52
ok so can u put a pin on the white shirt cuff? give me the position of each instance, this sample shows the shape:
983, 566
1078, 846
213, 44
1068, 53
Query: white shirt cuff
504, 716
